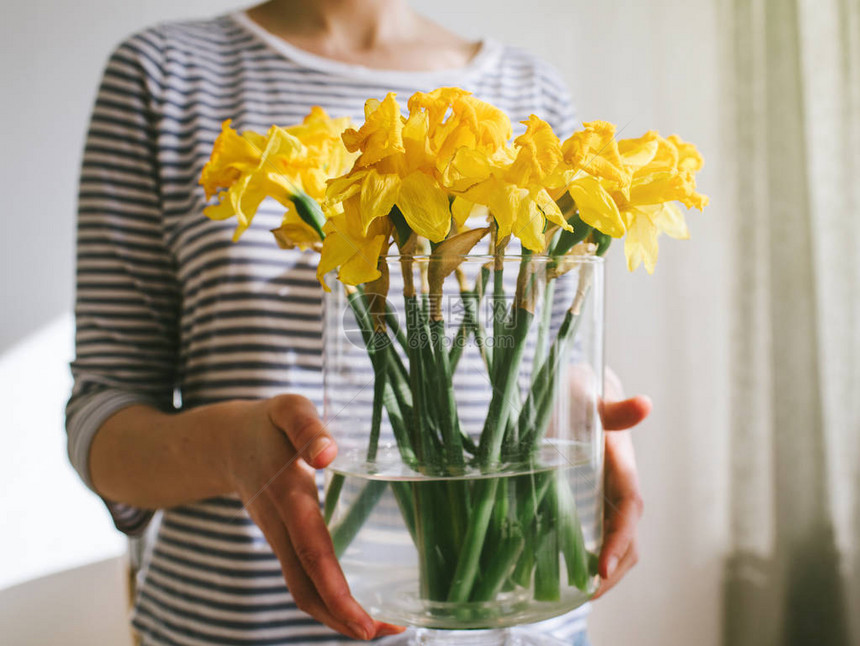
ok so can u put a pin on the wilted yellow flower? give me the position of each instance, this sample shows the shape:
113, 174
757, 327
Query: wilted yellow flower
395, 167
456, 119
288, 164
380, 135
232, 155
662, 172
323, 155
515, 183
593, 160
355, 253
248, 182
593, 150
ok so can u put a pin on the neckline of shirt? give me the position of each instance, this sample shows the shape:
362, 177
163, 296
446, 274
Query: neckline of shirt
487, 51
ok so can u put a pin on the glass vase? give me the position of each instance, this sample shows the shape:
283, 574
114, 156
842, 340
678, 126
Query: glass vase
463, 395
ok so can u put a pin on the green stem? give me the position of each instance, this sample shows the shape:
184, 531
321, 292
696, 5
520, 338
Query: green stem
505, 555
403, 496
390, 319
332, 495
525, 565
531, 490
434, 551
379, 384
379, 352
394, 326
570, 534
357, 302
530, 496
547, 586
385, 361
535, 413
447, 414
504, 383
499, 305
484, 496
345, 531
545, 320
471, 322
467, 327
417, 344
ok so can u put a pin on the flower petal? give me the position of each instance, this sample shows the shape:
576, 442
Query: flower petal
463, 209
232, 155
538, 154
529, 226
551, 210
380, 136
596, 206
424, 206
505, 202
669, 219
295, 232
336, 250
593, 150
640, 244
638, 152
363, 266
378, 194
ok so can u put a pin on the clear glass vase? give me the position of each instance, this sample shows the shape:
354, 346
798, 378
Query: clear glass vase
467, 491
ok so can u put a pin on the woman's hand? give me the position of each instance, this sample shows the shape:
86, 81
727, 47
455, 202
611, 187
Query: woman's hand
622, 498
271, 463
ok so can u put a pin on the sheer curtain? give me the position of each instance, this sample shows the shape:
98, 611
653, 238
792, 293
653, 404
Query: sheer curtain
793, 567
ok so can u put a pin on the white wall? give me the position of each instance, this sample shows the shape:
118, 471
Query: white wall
640, 64
53, 522
51, 57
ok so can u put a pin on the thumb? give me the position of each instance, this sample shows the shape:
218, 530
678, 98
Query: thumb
297, 417
624, 414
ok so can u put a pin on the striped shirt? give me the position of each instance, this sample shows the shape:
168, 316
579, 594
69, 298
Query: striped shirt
171, 313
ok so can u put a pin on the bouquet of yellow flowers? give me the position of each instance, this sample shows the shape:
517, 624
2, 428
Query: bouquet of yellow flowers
434, 183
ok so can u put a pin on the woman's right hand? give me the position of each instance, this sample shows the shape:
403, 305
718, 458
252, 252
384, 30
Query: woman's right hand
271, 461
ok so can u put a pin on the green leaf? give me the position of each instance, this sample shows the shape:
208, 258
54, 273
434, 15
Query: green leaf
310, 212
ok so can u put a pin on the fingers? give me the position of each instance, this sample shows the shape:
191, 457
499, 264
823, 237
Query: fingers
621, 415
619, 570
298, 418
620, 551
266, 515
299, 511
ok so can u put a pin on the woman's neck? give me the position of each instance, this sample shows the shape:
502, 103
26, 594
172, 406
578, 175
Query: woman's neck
347, 25
385, 34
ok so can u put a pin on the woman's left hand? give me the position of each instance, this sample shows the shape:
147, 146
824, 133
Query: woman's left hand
622, 497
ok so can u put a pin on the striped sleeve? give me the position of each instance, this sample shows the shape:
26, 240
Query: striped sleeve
127, 298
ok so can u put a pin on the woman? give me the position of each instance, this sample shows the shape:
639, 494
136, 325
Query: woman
168, 307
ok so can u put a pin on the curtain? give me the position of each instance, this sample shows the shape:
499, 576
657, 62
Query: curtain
791, 576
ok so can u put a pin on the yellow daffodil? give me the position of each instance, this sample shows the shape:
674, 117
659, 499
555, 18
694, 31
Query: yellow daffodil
291, 165
353, 252
662, 171
232, 155
593, 150
456, 119
395, 168
449, 159
380, 136
515, 183
323, 155
593, 160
